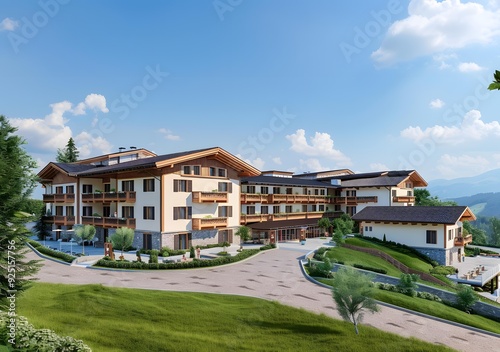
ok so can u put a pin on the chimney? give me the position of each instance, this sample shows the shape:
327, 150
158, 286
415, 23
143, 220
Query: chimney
122, 149
133, 148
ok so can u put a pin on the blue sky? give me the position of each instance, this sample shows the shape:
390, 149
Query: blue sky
293, 85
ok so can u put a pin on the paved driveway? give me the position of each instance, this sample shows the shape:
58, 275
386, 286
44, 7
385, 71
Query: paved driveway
272, 275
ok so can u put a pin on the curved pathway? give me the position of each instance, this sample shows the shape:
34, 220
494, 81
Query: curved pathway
273, 275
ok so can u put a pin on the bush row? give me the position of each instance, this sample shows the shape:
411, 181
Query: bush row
393, 288
369, 268
26, 338
52, 253
195, 263
268, 246
320, 253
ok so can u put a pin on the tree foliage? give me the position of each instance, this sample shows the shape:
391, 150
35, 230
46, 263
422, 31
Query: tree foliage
122, 238
17, 181
68, 154
244, 233
324, 224
495, 231
478, 235
466, 297
353, 292
423, 198
496, 81
41, 228
85, 233
408, 284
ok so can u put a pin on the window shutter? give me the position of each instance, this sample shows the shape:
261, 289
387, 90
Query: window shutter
176, 213
176, 185
229, 211
229, 187
190, 212
189, 186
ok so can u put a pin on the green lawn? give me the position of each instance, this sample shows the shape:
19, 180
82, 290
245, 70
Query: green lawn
119, 319
410, 260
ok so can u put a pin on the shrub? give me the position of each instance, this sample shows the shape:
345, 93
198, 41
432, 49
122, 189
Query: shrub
191, 252
321, 269
166, 251
223, 253
408, 284
369, 268
153, 256
320, 253
443, 270
428, 296
267, 246
466, 297
27, 338
387, 287
52, 253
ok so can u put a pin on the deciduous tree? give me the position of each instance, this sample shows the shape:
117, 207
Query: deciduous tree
353, 292
85, 233
122, 238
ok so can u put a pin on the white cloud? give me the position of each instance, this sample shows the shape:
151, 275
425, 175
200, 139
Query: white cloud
437, 26
311, 165
469, 67
471, 128
277, 160
321, 146
167, 134
378, 167
257, 162
436, 104
450, 166
8, 24
88, 145
51, 132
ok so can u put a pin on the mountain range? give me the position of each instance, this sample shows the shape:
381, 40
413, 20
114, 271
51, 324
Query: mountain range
481, 193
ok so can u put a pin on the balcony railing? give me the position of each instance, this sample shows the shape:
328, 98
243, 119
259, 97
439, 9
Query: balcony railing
209, 197
254, 198
59, 198
107, 222
108, 197
354, 200
251, 218
403, 199
63, 220
463, 240
297, 198
209, 223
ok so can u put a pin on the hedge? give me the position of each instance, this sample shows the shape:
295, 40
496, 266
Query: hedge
195, 263
52, 253
369, 268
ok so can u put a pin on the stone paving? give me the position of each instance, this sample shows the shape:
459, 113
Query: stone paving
273, 275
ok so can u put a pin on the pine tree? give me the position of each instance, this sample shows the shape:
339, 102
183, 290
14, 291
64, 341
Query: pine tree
69, 154
17, 181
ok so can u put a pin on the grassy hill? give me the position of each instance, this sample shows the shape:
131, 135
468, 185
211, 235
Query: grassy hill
484, 204
120, 319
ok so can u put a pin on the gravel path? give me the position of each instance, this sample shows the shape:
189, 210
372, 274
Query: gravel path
272, 275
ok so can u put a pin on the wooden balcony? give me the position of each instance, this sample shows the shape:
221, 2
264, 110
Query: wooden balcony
254, 198
463, 240
297, 198
403, 199
59, 198
251, 218
208, 223
108, 222
354, 200
209, 197
59, 220
109, 197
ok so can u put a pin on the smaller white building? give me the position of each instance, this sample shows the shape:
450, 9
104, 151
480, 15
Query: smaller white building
434, 231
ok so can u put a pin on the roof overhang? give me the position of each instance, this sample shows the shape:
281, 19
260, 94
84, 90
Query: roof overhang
467, 215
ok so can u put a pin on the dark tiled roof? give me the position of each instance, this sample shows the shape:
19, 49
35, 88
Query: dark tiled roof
397, 173
381, 181
74, 168
285, 181
432, 215
142, 163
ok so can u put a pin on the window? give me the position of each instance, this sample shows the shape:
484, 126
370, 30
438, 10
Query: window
85, 189
264, 209
183, 241
289, 190
350, 193
350, 210
251, 189
225, 212
276, 190
183, 185
70, 211
87, 211
431, 237
313, 207
106, 211
322, 192
128, 212
148, 185
59, 189
186, 170
196, 170
276, 209
394, 193
225, 187
264, 190
222, 172
288, 209
213, 171
250, 209
128, 186
59, 210
148, 213
182, 213
70, 189
409, 193
107, 187
450, 234
316, 192
321, 207
409, 185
